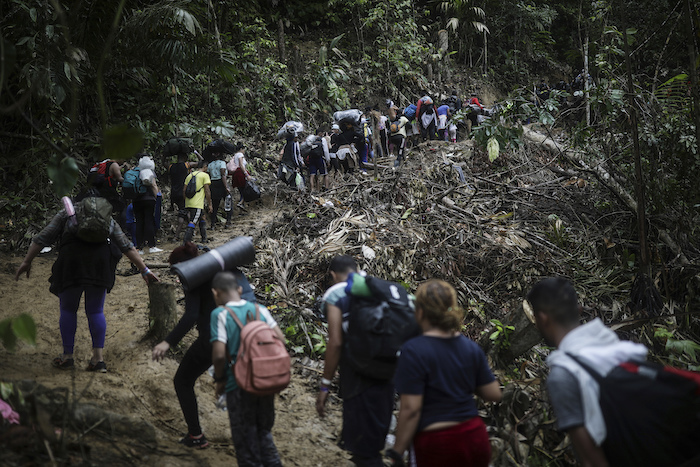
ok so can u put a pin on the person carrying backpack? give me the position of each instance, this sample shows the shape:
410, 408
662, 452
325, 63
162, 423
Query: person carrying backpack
616, 408
238, 168
144, 206
291, 162
398, 136
437, 377
443, 115
106, 176
196, 190
199, 303
426, 117
367, 402
90, 243
178, 172
251, 416
218, 174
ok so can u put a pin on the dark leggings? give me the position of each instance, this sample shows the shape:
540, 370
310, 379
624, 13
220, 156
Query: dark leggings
196, 361
400, 142
218, 192
144, 211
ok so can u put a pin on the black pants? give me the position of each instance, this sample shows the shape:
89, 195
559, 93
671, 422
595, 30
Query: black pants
196, 361
428, 133
366, 421
252, 418
383, 137
144, 212
400, 142
218, 192
178, 201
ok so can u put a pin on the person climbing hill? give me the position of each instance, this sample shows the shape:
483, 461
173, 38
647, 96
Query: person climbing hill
86, 265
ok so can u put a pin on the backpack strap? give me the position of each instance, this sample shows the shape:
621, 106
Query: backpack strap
235, 318
594, 374
249, 317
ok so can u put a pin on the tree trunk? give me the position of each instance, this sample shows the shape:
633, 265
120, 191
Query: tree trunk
639, 186
162, 309
585, 81
486, 53
692, 55
280, 41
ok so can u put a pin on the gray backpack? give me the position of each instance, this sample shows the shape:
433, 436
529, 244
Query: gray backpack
93, 219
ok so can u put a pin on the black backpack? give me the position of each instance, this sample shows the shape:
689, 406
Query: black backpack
191, 188
377, 327
175, 146
651, 412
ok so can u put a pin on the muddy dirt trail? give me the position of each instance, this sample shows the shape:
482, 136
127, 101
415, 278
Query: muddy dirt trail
137, 386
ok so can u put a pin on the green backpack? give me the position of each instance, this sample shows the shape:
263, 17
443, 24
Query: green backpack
93, 219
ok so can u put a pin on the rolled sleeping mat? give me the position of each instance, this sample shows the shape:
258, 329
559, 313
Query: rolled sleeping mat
197, 271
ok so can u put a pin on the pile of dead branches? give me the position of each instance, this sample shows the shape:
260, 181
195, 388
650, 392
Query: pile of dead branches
492, 229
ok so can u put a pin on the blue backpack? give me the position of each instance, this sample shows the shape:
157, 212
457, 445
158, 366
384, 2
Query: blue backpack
132, 186
410, 112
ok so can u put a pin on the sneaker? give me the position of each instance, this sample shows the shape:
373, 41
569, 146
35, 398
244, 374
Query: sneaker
62, 364
99, 367
192, 442
155, 249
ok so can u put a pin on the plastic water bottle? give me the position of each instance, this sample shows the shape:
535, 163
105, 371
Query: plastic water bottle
70, 210
228, 203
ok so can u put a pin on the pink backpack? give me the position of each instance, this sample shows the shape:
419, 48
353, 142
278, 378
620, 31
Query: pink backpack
263, 366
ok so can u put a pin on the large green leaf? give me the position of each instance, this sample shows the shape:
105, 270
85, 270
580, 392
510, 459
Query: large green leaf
6, 390
63, 173
9, 340
24, 328
121, 142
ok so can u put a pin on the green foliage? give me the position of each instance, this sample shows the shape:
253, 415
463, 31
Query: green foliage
64, 173
21, 327
500, 336
121, 142
685, 350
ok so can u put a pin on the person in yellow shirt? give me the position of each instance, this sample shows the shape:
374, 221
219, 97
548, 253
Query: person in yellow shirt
195, 204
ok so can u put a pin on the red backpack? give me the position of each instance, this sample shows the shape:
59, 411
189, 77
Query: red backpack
99, 173
263, 366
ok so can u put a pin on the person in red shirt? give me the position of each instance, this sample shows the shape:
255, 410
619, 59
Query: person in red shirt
475, 101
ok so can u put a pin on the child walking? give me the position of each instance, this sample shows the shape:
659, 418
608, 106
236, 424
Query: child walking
251, 416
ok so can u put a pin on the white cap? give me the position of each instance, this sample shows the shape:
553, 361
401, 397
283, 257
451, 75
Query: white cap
335, 127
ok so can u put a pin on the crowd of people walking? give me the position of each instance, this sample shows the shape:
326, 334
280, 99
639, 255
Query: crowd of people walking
438, 373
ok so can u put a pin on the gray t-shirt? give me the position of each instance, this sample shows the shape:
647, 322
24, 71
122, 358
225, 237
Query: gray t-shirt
565, 395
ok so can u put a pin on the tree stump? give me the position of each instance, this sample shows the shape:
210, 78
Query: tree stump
523, 338
162, 309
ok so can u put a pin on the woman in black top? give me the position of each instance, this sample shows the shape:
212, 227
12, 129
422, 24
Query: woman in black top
199, 303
